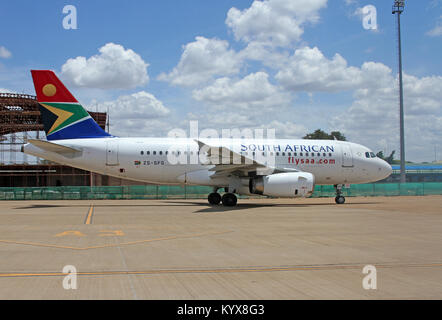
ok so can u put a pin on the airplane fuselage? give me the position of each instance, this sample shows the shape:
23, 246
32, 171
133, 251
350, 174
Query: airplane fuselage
179, 161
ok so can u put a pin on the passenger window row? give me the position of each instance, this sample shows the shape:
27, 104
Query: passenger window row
148, 153
295, 154
154, 153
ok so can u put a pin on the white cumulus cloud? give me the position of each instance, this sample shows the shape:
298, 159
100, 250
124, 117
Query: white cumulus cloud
274, 22
140, 105
253, 92
139, 114
249, 102
310, 71
373, 117
113, 68
437, 30
5, 53
201, 61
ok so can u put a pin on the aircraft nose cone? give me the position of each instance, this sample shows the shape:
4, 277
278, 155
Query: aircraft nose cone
385, 169
389, 169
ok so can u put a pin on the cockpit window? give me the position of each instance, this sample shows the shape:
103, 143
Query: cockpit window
372, 155
367, 154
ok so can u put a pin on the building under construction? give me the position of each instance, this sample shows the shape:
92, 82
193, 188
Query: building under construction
20, 119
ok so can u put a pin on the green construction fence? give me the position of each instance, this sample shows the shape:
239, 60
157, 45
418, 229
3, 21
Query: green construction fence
198, 192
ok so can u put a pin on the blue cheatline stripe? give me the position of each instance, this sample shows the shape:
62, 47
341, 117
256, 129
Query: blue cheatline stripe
418, 167
81, 130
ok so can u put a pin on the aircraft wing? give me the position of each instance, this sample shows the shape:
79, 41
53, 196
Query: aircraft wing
227, 162
53, 147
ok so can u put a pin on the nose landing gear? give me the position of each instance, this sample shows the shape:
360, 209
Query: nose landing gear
340, 199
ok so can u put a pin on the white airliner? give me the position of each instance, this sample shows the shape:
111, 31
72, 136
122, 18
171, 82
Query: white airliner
286, 168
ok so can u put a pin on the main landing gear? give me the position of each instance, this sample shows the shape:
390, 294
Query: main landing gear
214, 198
228, 199
340, 199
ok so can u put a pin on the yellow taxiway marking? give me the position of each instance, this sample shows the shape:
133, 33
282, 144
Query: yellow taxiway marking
223, 270
113, 245
70, 233
111, 233
89, 215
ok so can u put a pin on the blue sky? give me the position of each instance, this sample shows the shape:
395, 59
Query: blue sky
294, 66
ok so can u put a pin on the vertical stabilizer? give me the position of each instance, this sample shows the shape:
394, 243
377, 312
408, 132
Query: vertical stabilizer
62, 115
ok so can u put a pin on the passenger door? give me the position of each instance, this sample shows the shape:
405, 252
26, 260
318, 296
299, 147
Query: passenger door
112, 153
347, 156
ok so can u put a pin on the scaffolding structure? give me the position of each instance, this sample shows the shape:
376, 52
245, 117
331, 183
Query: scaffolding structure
20, 119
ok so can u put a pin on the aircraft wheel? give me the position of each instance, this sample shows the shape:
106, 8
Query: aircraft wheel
214, 198
340, 200
229, 200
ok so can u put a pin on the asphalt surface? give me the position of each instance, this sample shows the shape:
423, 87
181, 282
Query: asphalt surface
186, 249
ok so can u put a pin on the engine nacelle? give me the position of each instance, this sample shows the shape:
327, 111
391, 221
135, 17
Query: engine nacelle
283, 185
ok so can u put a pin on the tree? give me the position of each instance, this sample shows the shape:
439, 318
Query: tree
322, 135
389, 159
339, 136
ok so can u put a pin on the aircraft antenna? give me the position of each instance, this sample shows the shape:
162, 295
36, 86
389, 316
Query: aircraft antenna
108, 119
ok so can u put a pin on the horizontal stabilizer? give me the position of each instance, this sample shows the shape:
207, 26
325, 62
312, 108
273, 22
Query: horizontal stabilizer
53, 147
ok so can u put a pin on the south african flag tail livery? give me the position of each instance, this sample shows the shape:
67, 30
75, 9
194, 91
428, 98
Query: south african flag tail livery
62, 115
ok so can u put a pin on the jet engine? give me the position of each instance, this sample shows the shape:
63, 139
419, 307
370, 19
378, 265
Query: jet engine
283, 185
